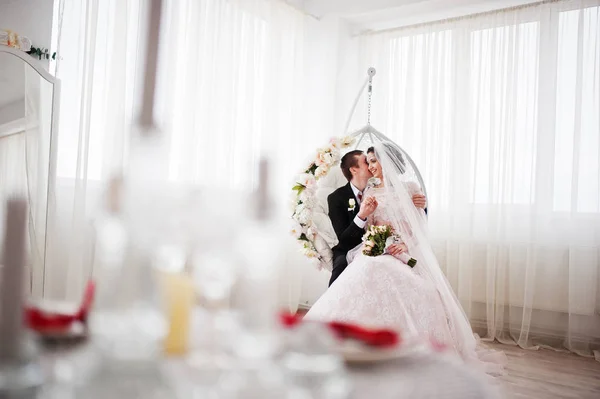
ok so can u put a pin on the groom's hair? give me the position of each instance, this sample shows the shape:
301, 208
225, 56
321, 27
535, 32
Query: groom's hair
349, 160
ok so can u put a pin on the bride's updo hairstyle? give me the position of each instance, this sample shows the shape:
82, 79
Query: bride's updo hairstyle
395, 155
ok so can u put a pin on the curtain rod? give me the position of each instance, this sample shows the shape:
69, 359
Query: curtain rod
459, 18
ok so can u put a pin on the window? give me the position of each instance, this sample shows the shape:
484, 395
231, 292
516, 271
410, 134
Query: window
503, 82
577, 139
420, 98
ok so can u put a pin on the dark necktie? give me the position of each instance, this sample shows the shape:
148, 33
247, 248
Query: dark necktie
359, 196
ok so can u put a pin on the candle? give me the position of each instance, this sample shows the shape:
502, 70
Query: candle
179, 296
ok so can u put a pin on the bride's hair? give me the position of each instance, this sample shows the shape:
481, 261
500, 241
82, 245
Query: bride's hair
394, 154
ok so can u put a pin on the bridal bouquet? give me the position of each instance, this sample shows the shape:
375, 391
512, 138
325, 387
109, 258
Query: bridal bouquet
378, 238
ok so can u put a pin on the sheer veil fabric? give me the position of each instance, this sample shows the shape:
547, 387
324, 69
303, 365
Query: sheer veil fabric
410, 222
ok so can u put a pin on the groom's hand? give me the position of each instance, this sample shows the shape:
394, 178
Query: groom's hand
367, 207
419, 200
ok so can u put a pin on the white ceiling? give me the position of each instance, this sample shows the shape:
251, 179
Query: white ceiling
366, 15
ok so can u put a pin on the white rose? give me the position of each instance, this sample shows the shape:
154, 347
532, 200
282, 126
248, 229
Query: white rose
311, 233
336, 156
321, 171
321, 157
351, 203
304, 196
330, 158
303, 215
312, 254
327, 156
335, 143
307, 180
308, 198
347, 141
309, 202
308, 251
296, 229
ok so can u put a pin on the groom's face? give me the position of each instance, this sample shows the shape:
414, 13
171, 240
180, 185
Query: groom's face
361, 171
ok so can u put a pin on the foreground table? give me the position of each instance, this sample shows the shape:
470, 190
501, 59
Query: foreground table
414, 377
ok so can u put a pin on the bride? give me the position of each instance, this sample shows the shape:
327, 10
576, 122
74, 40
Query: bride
384, 291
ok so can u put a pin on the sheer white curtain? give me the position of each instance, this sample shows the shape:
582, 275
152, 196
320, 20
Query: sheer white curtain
230, 89
237, 90
501, 112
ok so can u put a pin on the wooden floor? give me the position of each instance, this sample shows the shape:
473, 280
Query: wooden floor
546, 374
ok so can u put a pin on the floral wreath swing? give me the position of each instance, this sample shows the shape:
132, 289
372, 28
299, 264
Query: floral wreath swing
311, 225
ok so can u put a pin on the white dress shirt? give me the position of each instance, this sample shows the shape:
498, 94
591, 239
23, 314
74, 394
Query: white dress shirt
358, 221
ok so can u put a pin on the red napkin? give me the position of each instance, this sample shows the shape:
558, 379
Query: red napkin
379, 338
41, 321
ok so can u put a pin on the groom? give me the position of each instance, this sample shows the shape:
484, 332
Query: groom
347, 210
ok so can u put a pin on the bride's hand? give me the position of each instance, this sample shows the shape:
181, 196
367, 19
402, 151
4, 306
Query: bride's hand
397, 249
367, 207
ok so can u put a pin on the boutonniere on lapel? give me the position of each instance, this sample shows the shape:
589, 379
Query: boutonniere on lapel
351, 204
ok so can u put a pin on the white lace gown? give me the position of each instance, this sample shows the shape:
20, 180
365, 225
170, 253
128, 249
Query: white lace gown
383, 292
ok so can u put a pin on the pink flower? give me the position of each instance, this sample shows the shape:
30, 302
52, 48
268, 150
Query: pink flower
321, 171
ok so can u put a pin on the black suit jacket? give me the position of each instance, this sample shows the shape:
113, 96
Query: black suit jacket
348, 233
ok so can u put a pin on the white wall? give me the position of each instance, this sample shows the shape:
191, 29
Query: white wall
350, 77
31, 18
13, 111
320, 53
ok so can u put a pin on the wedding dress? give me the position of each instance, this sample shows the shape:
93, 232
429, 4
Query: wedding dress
384, 292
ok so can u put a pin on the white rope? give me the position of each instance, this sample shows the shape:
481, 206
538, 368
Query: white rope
368, 81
